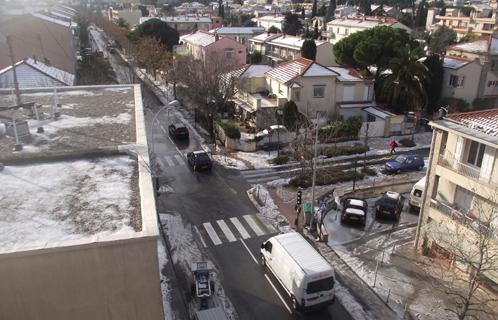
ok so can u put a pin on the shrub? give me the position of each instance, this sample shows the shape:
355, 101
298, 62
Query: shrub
405, 142
369, 171
282, 159
325, 177
343, 150
231, 131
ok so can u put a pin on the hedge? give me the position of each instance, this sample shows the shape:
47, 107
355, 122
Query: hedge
325, 177
343, 150
231, 131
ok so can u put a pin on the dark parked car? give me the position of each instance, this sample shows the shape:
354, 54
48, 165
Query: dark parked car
354, 210
405, 162
199, 160
389, 205
178, 131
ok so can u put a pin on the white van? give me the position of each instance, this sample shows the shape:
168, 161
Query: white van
305, 275
416, 194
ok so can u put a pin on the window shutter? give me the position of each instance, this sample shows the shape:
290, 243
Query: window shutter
459, 149
487, 163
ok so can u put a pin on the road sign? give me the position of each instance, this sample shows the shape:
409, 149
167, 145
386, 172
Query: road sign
323, 206
308, 207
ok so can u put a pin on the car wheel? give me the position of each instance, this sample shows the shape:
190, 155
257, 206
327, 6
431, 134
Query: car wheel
420, 168
398, 171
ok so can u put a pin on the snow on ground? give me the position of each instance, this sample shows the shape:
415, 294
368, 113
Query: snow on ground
185, 251
258, 159
382, 144
349, 303
73, 200
165, 286
263, 201
229, 162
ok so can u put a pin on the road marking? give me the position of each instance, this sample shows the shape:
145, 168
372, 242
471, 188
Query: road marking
228, 234
161, 162
212, 234
179, 158
278, 294
162, 128
169, 161
249, 219
250, 253
240, 228
200, 236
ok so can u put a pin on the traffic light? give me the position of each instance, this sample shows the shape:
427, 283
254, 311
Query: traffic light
299, 197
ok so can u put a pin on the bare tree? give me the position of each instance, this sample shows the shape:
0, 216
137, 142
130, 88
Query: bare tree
151, 55
471, 243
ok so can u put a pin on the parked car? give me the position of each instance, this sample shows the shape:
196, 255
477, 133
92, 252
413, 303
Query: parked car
273, 135
178, 131
199, 160
415, 199
408, 161
307, 278
354, 210
389, 205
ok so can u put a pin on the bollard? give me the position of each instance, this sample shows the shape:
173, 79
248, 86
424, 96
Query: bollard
388, 295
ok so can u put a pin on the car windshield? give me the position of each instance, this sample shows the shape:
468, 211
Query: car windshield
320, 285
202, 156
181, 129
400, 159
356, 207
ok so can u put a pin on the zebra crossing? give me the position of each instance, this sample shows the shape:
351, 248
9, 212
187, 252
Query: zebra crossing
263, 175
233, 229
170, 161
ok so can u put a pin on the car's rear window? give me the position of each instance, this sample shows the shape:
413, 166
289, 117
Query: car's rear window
202, 157
320, 285
181, 129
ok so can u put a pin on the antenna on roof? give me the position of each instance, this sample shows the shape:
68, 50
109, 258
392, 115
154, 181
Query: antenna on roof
16, 84
17, 146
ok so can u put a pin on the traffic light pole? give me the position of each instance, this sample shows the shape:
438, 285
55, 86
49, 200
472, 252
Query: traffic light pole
299, 201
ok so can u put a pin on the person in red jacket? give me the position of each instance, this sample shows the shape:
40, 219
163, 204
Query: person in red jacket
393, 145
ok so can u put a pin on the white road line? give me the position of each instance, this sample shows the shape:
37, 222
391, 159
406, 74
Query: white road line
162, 128
249, 219
200, 236
278, 294
250, 253
240, 228
161, 162
179, 158
169, 161
212, 234
228, 234
264, 179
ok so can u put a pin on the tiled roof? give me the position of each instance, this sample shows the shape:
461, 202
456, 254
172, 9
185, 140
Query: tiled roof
289, 70
477, 46
199, 38
485, 120
34, 74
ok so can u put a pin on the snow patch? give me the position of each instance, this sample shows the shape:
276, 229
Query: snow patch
65, 122
165, 286
229, 162
267, 209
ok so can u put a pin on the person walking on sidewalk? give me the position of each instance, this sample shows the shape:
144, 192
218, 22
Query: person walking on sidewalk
393, 145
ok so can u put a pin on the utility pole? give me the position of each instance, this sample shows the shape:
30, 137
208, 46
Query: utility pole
314, 167
12, 61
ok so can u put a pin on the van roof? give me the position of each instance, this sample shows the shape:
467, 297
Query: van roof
211, 314
421, 182
303, 253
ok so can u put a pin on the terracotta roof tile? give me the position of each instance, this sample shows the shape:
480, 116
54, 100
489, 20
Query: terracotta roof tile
287, 71
484, 120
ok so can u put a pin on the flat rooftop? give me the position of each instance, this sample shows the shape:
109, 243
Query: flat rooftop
85, 179
91, 118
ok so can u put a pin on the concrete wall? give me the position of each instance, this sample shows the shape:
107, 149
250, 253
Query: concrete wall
469, 91
359, 91
308, 103
325, 55
115, 280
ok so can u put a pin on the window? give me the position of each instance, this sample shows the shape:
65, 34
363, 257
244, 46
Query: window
229, 53
325, 284
318, 91
371, 118
338, 29
268, 246
296, 94
456, 81
348, 93
346, 31
476, 153
279, 89
492, 84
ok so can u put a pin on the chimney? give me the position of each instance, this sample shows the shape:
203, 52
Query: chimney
216, 36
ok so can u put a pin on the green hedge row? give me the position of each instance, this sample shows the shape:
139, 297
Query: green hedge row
230, 130
325, 177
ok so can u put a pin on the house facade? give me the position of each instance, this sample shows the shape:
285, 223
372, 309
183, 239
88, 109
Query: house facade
277, 48
211, 48
186, 23
339, 29
461, 78
461, 187
270, 21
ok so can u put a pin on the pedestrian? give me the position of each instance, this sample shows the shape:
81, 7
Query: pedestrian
393, 145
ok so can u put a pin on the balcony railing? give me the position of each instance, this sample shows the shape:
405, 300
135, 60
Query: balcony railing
450, 162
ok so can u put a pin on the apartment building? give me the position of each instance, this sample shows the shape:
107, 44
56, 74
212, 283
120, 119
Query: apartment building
189, 23
341, 28
239, 34
481, 20
461, 197
270, 21
277, 48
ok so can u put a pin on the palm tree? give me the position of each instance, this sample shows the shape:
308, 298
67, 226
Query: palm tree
402, 81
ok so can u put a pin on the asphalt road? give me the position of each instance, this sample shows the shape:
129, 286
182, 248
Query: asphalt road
208, 198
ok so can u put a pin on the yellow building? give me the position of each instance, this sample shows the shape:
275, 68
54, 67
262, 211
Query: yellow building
460, 203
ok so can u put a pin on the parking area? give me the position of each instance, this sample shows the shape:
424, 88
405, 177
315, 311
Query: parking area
345, 233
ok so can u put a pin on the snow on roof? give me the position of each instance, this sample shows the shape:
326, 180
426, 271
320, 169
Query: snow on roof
292, 42
363, 22
272, 18
289, 70
485, 120
476, 46
256, 70
187, 19
316, 70
346, 74
303, 253
264, 37
355, 211
356, 105
61, 201
51, 19
199, 38
238, 30
383, 114
454, 63
32, 74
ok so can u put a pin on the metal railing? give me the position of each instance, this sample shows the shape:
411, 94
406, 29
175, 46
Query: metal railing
448, 160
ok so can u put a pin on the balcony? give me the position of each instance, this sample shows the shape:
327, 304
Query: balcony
448, 161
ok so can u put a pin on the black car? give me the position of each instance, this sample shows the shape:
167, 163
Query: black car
389, 205
354, 210
199, 160
178, 131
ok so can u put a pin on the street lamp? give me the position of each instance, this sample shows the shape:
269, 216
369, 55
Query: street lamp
278, 114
